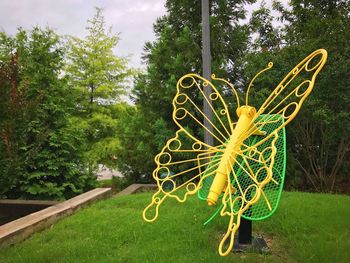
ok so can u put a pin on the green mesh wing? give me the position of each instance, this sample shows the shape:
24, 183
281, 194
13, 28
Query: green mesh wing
260, 210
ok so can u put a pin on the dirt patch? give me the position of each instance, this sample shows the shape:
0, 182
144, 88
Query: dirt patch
274, 248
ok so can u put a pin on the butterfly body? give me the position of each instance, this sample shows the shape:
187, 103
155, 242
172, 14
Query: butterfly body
233, 146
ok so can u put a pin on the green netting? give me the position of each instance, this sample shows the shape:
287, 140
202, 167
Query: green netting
260, 210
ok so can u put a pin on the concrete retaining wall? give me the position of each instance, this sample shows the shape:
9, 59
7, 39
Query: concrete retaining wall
22, 228
11, 210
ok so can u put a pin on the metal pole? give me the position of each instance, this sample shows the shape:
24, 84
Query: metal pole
206, 59
245, 232
245, 229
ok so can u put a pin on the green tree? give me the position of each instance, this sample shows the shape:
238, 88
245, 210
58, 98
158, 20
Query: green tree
262, 24
41, 149
318, 140
324, 128
138, 141
175, 52
99, 79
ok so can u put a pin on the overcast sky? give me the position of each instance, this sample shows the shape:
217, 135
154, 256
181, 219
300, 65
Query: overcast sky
132, 18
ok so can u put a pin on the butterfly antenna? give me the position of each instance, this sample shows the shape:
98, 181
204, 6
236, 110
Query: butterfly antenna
252, 81
230, 85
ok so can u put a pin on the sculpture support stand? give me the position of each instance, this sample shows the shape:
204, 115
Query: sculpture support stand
245, 232
247, 242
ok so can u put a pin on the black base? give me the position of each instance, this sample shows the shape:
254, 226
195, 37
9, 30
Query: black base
258, 245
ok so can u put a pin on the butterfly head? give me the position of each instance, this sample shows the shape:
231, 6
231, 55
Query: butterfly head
246, 110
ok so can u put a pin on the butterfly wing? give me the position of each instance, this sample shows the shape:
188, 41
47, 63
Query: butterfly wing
181, 164
250, 173
267, 205
289, 95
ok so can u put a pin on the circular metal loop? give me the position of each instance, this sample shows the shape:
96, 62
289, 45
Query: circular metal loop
287, 115
299, 88
248, 190
223, 112
197, 146
164, 158
162, 173
168, 186
187, 86
174, 144
262, 155
181, 99
180, 113
235, 201
189, 186
214, 96
252, 152
311, 60
295, 71
260, 176
279, 89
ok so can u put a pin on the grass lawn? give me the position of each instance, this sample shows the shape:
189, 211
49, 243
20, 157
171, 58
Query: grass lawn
305, 228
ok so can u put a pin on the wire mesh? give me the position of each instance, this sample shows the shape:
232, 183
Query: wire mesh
271, 192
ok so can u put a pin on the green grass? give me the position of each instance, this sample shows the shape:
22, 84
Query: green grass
305, 228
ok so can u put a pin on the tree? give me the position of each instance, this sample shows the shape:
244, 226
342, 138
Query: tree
268, 36
318, 139
99, 79
324, 128
175, 52
138, 139
41, 148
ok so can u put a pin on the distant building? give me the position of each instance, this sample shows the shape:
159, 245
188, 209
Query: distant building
105, 173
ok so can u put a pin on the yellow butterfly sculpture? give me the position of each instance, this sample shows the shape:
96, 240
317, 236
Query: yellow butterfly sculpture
186, 161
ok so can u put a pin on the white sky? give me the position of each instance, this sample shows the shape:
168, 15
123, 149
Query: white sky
132, 18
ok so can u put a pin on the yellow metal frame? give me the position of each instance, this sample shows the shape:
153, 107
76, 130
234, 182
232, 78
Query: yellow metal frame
230, 137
